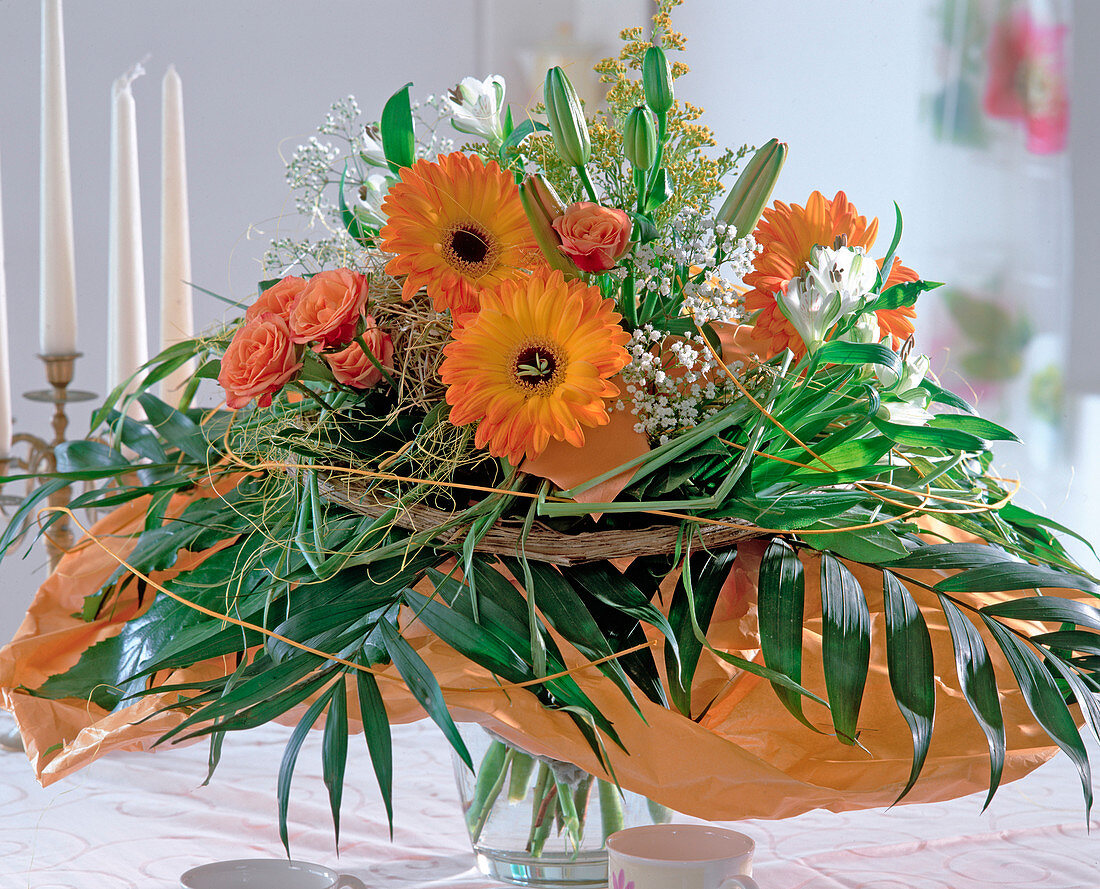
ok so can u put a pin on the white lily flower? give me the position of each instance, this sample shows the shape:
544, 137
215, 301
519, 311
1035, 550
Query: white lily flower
370, 146
913, 371
864, 332
836, 283
905, 413
371, 194
476, 106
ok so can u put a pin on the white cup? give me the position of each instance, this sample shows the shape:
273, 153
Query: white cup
266, 873
679, 856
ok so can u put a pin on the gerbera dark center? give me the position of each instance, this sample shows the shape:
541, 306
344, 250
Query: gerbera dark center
537, 368
470, 249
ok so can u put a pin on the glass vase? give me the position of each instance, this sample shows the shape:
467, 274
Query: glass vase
534, 821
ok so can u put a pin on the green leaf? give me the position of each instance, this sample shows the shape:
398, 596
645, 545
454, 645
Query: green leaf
873, 545
567, 613
334, 750
984, 429
376, 731
1013, 576
290, 759
1047, 608
888, 259
781, 607
398, 141
660, 190
837, 352
904, 294
644, 229
979, 687
945, 396
418, 677
1070, 640
521, 132
944, 556
845, 644
176, 428
708, 573
1045, 702
911, 670
929, 437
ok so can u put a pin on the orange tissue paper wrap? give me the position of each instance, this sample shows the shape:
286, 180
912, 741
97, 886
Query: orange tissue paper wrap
745, 757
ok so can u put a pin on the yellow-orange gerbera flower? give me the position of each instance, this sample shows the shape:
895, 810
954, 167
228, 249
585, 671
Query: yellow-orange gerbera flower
787, 234
458, 229
534, 364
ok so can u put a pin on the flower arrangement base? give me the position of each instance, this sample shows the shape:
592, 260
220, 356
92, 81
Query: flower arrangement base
539, 822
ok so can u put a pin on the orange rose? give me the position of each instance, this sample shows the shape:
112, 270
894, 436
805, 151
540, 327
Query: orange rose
329, 308
261, 359
278, 298
594, 237
352, 367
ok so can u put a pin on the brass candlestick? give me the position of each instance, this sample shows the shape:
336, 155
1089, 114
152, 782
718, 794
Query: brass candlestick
41, 457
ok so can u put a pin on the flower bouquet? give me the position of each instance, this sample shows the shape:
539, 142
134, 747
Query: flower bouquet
536, 438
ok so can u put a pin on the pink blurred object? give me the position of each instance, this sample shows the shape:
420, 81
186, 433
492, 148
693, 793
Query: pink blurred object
1027, 79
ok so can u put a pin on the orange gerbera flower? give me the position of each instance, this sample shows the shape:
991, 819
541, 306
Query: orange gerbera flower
534, 364
458, 229
787, 234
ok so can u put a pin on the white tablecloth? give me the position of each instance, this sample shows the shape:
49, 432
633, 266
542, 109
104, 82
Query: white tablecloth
136, 821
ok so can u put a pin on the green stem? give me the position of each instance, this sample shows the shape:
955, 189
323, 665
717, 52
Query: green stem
627, 302
545, 791
520, 778
490, 781
373, 360
662, 132
639, 186
587, 183
301, 387
611, 809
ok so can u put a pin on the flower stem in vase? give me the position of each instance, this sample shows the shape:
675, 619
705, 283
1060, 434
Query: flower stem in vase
545, 792
580, 800
611, 809
520, 779
571, 821
490, 780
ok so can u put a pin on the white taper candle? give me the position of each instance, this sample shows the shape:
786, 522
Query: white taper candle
5, 362
176, 319
57, 272
127, 335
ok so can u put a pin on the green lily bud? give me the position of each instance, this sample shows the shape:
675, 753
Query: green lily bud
753, 188
566, 119
640, 138
542, 206
657, 80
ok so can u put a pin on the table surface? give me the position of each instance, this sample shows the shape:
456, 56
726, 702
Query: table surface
138, 820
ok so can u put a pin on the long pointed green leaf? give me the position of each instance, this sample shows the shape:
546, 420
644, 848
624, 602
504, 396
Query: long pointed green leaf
909, 662
979, 687
376, 731
1013, 576
334, 751
290, 759
845, 644
1047, 608
423, 686
1045, 702
398, 141
781, 607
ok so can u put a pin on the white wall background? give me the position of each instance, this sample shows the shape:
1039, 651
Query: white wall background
839, 81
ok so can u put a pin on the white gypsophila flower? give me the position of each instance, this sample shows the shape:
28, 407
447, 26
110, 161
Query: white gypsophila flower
371, 194
836, 283
369, 144
476, 107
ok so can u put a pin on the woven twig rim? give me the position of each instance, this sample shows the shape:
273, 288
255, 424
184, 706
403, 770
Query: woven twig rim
543, 544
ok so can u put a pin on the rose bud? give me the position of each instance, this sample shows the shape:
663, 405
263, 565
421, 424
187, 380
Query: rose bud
594, 237
327, 312
260, 360
279, 299
352, 366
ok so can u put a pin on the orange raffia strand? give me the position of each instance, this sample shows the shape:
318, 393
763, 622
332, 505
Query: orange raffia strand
316, 651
